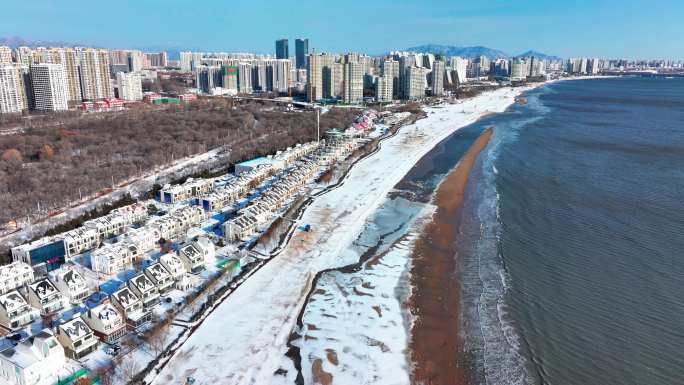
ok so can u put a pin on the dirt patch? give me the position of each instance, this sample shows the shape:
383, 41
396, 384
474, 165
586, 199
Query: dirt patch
434, 347
320, 376
331, 354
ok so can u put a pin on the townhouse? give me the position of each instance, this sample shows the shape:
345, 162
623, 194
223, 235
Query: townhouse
191, 188
114, 258
221, 198
77, 338
80, 240
36, 360
239, 227
144, 238
14, 275
196, 254
144, 289
173, 264
15, 312
44, 296
132, 308
160, 277
106, 321
71, 283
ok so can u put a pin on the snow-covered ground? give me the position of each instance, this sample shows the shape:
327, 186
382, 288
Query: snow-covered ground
244, 340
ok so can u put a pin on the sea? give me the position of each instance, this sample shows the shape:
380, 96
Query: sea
572, 245
570, 248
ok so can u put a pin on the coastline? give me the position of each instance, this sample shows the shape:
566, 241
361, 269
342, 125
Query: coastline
434, 300
263, 311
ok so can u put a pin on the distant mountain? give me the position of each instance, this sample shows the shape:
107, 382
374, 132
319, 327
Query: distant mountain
450, 50
473, 52
538, 55
16, 41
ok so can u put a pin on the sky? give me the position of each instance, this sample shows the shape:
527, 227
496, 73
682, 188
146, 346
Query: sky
597, 28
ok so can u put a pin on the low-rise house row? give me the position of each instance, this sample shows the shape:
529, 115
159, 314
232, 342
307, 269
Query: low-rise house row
15, 312
77, 338
15, 275
173, 265
144, 238
132, 308
191, 188
147, 291
196, 254
106, 321
175, 224
44, 296
114, 258
71, 283
239, 227
36, 361
80, 240
160, 277
220, 198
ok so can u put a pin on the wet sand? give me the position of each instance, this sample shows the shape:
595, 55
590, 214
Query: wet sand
434, 349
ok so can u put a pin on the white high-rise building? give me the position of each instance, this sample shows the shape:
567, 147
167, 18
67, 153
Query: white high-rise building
10, 90
314, 76
383, 89
353, 83
244, 78
5, 55
95, 81
519, 69
460, 65
130, 86
281, 75
415, 83
390, 70
50, 87
24, 55
437, 78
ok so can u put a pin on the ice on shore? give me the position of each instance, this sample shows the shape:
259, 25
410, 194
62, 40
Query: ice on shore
244, 340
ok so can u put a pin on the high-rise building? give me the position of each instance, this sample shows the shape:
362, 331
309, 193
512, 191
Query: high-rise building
50, 87
460, 65
383, 89
208, 77
281, 75
5, 55
519, 69
95, 81
314, 76
390, 70
23, 55
130, 86
10, 90
415, 83
230, 77
301, 53
282, 49
438, 78
245, 78
156, 60
353, 83
69, 58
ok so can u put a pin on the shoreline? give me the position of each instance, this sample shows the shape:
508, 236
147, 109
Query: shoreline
434, 348
263, 311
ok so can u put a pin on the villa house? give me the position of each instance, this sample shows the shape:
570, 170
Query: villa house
15, 312
80, 240
44, 296
36, 360
143, 287
131, 306
160, 277
107, 322
77, 338
14, 275
114, 258
173, 265
71, 283
144, 238
239, 227
196, 254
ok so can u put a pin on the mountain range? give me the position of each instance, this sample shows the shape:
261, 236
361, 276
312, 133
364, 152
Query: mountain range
16, 41
474, 51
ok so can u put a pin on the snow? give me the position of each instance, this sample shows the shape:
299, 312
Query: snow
246, 336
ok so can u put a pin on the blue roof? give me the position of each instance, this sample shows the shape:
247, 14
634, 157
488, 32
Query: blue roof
255, 161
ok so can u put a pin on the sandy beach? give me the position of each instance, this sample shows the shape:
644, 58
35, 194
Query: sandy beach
434, 348
246, 337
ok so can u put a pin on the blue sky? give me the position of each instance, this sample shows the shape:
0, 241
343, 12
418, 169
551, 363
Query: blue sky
627, 28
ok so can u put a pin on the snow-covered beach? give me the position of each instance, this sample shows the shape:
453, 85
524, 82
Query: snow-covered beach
245, 339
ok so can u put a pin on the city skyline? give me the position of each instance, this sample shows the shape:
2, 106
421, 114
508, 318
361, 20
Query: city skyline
628, 29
